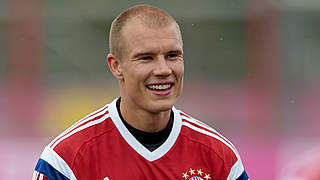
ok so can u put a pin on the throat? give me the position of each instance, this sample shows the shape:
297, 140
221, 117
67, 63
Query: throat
150, 140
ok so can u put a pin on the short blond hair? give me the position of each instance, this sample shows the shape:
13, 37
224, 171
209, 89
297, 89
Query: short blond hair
150, 16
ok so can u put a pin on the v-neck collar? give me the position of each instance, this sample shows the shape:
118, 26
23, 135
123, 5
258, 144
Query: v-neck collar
136, 145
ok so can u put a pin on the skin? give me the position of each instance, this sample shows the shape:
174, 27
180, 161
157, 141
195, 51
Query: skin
152, 56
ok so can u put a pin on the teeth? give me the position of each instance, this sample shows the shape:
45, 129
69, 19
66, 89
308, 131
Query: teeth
159, 87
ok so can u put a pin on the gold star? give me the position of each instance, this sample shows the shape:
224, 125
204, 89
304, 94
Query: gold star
207, 176
200, 172
191, 171
185, 175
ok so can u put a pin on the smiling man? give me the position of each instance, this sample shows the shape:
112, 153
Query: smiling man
142, 135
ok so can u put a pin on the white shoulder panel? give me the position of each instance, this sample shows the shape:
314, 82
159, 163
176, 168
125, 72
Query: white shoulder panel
51, 157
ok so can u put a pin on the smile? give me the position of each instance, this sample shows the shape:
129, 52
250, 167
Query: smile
160, 87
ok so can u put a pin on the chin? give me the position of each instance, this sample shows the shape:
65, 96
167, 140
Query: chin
160, 107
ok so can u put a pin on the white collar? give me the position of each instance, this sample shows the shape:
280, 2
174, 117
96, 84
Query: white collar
136, 145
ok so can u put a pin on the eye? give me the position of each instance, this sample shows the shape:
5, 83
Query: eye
145, 58
172, 56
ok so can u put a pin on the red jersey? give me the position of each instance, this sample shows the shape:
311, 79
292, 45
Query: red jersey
100, 147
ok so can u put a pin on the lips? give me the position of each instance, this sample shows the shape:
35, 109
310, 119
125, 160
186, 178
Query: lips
160, 89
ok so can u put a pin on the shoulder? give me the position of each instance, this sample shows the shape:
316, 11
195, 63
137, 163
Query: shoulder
58, 157
68, 143
204, 135
83, 131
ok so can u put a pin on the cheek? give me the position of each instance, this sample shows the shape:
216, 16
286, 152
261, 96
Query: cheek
136, 75
182, 69
178, 68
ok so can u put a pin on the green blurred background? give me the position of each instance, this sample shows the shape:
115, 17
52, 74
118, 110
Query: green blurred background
251, 72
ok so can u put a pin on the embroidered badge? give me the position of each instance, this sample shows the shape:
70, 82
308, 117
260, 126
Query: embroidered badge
196, 174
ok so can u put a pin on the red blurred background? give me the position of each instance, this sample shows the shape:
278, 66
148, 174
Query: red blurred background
251, 73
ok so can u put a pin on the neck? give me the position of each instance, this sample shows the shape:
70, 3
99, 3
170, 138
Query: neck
142, 119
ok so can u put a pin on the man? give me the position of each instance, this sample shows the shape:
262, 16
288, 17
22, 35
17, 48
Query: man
142, 135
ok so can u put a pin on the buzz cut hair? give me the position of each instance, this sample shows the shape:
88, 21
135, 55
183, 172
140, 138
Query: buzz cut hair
150, 16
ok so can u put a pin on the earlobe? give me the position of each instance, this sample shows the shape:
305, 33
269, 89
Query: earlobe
115, 66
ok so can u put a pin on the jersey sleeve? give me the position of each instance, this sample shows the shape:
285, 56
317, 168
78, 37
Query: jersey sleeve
237, 171
243, 176
52, 166
39, 176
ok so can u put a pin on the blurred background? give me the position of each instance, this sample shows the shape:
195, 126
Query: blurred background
251, 72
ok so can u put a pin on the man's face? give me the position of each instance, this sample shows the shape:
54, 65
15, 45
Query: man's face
152, 67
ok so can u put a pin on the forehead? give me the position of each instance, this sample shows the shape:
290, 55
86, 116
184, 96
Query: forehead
137, 35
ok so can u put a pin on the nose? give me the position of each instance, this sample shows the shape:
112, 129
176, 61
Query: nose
162, 68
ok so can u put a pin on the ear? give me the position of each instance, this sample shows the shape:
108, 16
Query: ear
115, 66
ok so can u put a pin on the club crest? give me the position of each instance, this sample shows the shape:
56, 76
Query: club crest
195, 174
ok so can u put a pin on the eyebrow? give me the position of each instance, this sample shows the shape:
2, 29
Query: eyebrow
176, 52
147, 53
142, 54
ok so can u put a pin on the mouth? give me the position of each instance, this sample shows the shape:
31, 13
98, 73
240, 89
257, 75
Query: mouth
160, 87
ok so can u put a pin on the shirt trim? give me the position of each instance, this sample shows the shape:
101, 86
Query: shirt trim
136, 145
